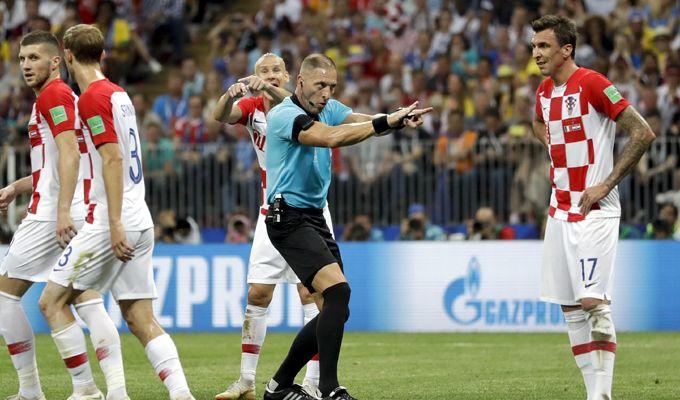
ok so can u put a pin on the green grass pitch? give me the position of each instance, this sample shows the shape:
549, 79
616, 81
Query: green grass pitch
398, 366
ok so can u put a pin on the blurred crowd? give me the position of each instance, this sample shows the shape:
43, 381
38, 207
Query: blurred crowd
474, 162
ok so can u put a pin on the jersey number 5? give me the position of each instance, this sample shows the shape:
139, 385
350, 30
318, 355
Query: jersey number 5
134, 153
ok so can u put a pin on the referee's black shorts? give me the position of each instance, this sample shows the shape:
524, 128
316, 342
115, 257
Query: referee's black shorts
304, 240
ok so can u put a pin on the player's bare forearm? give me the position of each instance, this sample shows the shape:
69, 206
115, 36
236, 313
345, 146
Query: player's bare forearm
225, 111
23, 185
539, 132
112, 169
69, 161
277, 93
641, 136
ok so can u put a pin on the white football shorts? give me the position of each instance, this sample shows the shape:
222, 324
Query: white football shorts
34, 250
266, 265
89, 263
578, 260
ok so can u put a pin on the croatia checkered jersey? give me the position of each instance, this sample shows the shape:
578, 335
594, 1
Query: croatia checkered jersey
55, 112
253, 117
108, 116
580, 123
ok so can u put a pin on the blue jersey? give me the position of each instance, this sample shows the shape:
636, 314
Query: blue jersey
302, 174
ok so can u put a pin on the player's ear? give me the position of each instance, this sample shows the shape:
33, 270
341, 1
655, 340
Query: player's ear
566, 51
56, 61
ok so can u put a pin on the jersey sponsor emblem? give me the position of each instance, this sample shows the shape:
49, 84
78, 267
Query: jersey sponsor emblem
571, 103
58, 114
96, 125
613, 94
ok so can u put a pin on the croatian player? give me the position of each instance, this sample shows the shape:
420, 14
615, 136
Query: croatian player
60, 187
266, 266
577, 113
114, 248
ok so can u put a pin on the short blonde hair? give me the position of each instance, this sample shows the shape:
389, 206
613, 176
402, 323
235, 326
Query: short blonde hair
86, 42
267, 55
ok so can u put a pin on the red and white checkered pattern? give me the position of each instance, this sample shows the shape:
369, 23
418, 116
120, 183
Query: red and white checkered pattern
580, 121
254, 118
56, 100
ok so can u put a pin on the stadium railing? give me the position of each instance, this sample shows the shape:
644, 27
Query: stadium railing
210, 181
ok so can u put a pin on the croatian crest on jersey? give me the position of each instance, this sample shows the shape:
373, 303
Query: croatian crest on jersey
571, 103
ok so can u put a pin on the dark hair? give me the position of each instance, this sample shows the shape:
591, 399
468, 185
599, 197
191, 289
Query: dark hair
673, 207
563, 27
317, 60
40, 37
86, 42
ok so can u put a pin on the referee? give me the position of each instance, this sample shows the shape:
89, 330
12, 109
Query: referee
300, 134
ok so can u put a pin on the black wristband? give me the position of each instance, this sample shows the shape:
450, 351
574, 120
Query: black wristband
380, 124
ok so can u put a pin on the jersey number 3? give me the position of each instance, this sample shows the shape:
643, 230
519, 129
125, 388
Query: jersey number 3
134, 153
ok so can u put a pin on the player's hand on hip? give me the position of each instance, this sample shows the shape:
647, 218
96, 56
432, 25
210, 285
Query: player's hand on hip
66, 230
408, 116
254, 83
121, 248
7, 195
237, 90
591, 196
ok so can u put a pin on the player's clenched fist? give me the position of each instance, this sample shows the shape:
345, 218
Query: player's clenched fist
123, 251
254, 83
7, 196
237, 90
66, 230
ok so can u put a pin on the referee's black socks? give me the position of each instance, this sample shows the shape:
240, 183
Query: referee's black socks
329, 331
323, 334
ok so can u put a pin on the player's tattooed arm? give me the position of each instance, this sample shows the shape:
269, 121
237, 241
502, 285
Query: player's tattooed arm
641, 136
540, 131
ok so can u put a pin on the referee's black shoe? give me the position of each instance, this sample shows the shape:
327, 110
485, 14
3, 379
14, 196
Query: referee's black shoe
339, 393
294, 392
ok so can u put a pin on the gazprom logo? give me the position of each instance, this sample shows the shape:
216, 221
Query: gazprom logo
464, 307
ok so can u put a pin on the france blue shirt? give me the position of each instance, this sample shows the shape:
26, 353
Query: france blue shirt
302, 174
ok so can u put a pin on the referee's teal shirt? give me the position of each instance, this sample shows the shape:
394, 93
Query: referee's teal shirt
302, 174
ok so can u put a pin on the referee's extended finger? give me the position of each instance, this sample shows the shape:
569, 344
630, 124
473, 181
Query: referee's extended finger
422, 111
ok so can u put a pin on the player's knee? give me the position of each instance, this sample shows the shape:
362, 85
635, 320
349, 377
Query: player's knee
260, 296
305, 296
338, 295
590, 303
47, 304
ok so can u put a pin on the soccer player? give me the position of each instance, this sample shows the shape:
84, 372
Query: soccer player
266, 267
300, 132
114, 247
60, 188
577, 113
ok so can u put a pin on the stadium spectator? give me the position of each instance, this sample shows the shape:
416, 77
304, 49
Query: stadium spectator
158, 153
417, 226
239, 228
145, 116
361, 230
187, 231
191, 129
194, 80
171, 105
485, 227
127, 56
161, 23
666, 225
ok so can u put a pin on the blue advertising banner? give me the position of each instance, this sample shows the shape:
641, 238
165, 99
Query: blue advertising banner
408, 286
